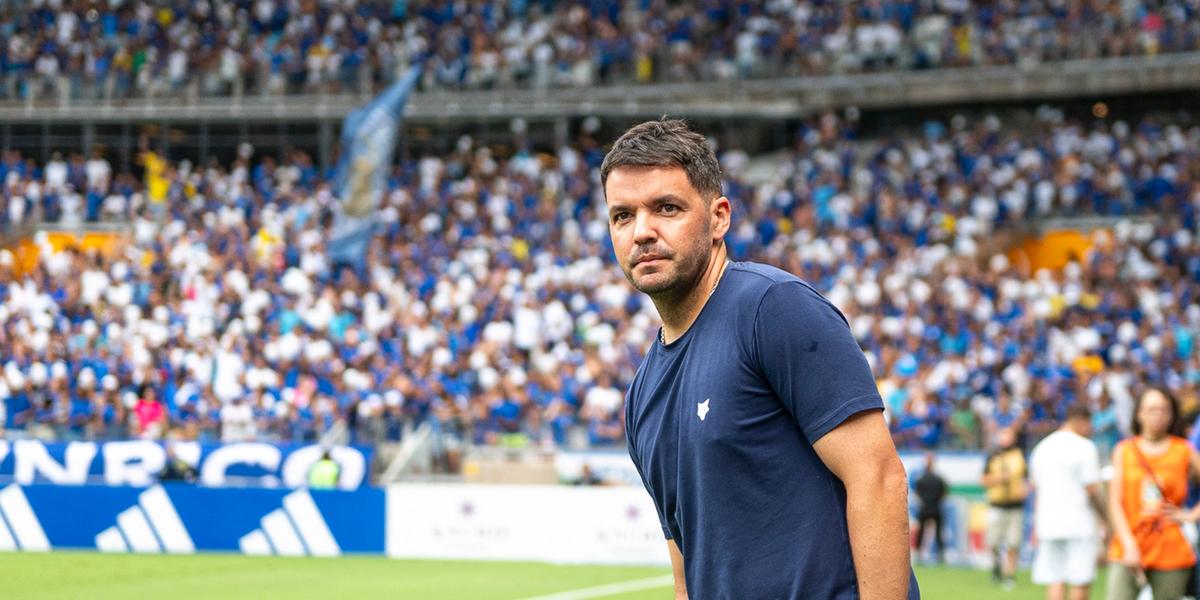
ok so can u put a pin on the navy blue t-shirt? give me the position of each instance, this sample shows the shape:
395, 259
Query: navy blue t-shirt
721, 424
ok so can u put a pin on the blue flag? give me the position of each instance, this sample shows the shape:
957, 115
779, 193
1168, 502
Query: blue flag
368, 143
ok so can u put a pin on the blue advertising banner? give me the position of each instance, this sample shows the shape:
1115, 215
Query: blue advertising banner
138, 462
183, 519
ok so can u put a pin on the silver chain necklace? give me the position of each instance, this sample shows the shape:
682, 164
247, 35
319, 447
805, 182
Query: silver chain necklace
662, 332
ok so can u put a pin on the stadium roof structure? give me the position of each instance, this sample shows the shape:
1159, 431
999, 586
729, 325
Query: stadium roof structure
741, 99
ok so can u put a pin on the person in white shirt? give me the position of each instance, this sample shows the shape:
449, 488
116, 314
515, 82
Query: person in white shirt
1065, 474
237, 422
56, 174
99, 172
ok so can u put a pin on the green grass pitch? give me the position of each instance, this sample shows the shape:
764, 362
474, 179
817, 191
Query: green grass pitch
93, 576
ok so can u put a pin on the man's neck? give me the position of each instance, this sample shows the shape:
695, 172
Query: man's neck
678, 312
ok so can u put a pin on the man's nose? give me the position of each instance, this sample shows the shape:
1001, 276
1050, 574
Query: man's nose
643, 229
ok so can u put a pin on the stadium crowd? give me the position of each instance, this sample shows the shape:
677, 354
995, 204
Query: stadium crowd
117, 49
491, 307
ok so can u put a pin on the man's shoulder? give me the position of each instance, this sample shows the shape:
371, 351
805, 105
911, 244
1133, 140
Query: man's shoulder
1049, 446
1076, 441
755, 280
759, 276
1064, 447
1057, 436
1000, 454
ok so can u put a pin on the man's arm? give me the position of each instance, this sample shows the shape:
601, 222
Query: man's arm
1131, 555
677, 570
988, 477
1090, 474
1095, 498
860, 453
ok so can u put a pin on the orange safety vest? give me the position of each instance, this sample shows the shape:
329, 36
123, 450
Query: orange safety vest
1160, 540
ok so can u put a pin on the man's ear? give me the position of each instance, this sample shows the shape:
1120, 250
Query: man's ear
719, 214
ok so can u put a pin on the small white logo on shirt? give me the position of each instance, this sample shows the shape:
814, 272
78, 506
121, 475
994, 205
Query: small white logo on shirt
702, 409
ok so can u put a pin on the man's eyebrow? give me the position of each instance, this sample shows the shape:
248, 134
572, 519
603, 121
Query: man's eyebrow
668, 198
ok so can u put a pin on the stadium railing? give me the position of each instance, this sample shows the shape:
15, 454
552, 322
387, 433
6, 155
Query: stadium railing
766, 99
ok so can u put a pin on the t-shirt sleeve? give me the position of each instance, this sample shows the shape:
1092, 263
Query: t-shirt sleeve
811, 360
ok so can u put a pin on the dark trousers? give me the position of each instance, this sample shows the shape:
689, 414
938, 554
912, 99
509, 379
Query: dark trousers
933, 518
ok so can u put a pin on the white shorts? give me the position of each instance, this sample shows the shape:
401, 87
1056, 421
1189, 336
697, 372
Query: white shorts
1006, 527
1070, 561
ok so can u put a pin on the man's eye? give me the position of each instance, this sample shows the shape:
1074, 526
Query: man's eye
670, 209
621, 216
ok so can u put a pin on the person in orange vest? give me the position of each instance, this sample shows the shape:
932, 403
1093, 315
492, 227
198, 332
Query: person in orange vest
1145, 503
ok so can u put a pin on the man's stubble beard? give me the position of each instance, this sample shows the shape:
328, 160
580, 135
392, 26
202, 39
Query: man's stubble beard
689, 269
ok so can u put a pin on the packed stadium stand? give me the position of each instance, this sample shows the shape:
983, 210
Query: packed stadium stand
994, 264
491, 307
121, 49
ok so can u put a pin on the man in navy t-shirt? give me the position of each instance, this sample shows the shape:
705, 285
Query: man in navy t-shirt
754, 420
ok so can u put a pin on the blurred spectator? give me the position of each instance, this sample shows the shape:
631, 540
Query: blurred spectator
175, 468
151, 416
323, 474
1151, 472
589, 477
931, 490
237, 421
1004, 480
1064, 470
1105, 431
964, 427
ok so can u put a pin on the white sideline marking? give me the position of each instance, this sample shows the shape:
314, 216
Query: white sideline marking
613, 588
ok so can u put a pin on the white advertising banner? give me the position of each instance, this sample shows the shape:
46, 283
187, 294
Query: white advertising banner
138, 462
616, 525
611, 466
958, 468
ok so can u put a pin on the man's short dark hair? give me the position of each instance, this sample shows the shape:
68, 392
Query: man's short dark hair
667, 143
1079, 410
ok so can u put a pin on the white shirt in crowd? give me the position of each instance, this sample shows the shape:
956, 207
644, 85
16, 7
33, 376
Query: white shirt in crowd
56, 175
605, 399
1060, 468
99, 174
230, 366
237, 423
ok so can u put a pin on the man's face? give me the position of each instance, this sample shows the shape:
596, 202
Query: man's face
662, 230
1006, 438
